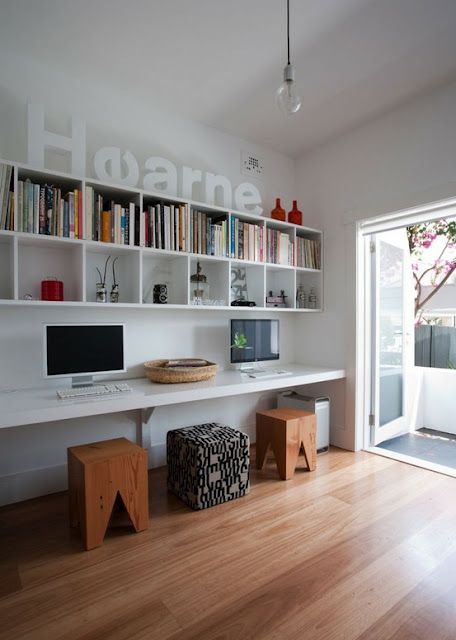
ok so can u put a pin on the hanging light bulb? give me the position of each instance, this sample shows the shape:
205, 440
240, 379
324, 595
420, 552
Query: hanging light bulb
286, 97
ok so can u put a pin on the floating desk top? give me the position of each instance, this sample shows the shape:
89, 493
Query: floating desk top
32, 406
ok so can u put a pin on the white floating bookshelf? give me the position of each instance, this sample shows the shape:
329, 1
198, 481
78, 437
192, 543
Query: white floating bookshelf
28, 258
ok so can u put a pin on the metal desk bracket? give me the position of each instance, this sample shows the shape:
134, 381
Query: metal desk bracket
142, 427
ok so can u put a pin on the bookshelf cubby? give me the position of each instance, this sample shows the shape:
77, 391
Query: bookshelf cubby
6, 268
218, 277
127, 269
281, 278
54, 259
254, 280
204, 224
309, 280
169, 269
42, 177
250, 238
27, 258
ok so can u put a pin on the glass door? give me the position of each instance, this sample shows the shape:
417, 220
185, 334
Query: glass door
392, 324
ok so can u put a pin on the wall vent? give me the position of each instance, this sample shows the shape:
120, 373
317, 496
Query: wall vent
251, 165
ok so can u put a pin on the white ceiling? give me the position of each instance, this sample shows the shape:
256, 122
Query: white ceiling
219, 62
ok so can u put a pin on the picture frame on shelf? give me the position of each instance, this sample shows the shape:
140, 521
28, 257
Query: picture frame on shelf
239, 289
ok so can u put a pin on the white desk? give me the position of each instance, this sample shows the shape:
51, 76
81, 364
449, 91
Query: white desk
34, 406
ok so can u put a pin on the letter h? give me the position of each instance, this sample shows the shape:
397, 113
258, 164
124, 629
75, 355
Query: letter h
38, 139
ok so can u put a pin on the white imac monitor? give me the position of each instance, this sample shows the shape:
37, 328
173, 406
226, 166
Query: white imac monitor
81, 351
254, 341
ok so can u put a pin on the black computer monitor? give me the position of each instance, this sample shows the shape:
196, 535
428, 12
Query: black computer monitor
254, 341
81, 351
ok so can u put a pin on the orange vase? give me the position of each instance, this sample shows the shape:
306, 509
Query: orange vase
278, 213
295, 216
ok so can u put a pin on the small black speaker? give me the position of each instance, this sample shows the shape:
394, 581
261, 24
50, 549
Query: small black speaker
160, 294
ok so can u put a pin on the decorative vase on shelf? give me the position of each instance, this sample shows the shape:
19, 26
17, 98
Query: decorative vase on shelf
295, 216
278, 213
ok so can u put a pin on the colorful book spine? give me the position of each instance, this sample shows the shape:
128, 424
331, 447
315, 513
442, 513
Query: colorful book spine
29, 219
89, 213
42, 211
130, 228
106, 226
139, 227
80, 215
75, 200
71, 215
6, 172
147, 227
36, 208
20, 206
66, 220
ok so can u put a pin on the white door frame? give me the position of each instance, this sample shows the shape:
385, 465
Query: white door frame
394, 220
401, 424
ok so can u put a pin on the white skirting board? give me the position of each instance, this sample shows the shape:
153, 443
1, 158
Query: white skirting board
39, 482
32, 483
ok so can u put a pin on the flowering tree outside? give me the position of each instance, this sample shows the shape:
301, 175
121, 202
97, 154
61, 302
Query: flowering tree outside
433, 251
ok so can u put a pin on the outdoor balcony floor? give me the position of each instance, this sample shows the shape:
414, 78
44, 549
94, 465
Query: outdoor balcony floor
425, 444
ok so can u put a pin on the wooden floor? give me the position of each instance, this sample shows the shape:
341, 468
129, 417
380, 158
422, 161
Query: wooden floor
365, 547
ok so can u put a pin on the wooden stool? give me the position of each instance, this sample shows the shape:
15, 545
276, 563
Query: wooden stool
288, 431
99, 471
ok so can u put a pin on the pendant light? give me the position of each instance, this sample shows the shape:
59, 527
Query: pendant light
287, 99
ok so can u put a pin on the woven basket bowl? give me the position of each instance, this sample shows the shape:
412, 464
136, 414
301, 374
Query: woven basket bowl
157, 372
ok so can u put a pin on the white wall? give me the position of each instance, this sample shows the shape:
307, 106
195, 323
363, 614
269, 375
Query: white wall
405, 158
115, 118
444, 299
439, 400
38, 452
32, 459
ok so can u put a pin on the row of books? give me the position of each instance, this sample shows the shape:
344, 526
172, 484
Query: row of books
107, 220
279, 247
6, 198
116, 222
246, 240
45, 210
308, 253
163, 226
207, 234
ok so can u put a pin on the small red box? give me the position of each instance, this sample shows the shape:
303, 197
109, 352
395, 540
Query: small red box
52, 289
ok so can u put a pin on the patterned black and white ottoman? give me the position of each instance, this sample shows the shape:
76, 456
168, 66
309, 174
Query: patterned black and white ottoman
207, 464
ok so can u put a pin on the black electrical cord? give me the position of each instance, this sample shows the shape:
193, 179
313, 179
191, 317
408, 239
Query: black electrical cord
288, 29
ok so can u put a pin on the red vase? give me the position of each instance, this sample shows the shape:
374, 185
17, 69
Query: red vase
295, 216
278, 213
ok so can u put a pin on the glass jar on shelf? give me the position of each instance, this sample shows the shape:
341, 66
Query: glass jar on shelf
101, 292
312, 301
301, 297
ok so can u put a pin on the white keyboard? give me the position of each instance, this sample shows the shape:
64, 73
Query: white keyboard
97, 391
271, 373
